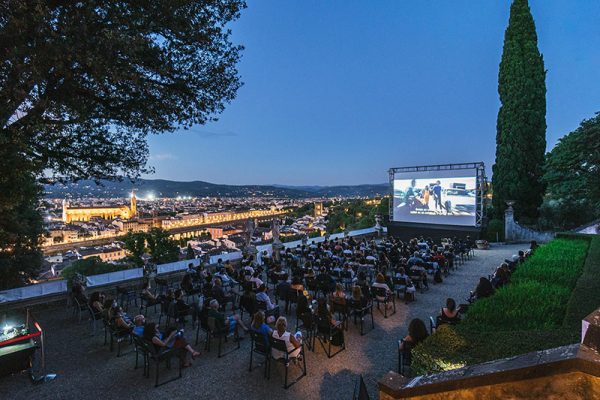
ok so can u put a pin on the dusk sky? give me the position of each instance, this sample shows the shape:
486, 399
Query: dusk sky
337, 92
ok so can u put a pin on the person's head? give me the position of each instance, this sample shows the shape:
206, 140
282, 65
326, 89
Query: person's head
220, 261
413, 183
281, 324
401, 271
521, 253
380, 278
437, 182
416, 254
356, 292
450, 304
417, 330
139, 320
214, 304
218, 282
339, 288
191, 266
258, 319
262, 288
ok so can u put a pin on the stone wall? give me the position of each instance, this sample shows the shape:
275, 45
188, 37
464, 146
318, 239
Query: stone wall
570, 386
513, 232
562, 373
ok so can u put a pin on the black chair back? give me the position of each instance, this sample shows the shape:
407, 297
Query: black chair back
260, 342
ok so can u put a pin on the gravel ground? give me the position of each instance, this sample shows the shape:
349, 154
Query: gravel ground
87, 369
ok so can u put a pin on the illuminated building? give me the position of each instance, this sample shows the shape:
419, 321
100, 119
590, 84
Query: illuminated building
85, 214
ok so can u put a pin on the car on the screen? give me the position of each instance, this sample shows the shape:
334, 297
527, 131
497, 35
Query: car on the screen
462, 201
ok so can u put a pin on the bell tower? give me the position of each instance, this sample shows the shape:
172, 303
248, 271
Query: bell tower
132, 206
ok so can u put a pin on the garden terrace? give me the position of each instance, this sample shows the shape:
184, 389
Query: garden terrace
541, 308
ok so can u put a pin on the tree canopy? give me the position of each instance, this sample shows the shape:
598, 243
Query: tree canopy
521, 124
82, 83
156, 242
572, 173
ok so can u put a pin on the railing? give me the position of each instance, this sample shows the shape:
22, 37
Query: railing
57, 290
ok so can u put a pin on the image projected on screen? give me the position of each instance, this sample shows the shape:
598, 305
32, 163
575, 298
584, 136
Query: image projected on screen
446, 201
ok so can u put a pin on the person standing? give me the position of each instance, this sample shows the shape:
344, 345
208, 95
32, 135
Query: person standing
437, 196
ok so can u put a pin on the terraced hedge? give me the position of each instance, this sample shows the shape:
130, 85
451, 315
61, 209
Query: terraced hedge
542, 308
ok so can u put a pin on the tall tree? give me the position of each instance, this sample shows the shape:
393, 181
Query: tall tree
521, 124
82, 84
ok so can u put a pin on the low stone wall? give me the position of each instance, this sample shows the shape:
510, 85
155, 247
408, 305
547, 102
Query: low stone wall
513, 232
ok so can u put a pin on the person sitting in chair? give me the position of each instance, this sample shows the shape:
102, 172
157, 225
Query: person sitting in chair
380, 284
171, 339
225, 323
292, 342
417, 332
219, 294
450, 313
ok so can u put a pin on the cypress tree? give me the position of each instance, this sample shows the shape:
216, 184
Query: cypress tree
521, 124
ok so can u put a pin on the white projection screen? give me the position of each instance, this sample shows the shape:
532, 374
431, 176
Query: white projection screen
444, 197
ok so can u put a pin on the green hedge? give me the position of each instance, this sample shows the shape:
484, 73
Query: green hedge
539, 291
586, 296
540, 309
454, 347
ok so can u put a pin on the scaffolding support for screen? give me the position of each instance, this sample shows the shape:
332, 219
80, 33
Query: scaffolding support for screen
479, 167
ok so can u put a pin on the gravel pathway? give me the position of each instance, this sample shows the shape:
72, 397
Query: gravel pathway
86, 368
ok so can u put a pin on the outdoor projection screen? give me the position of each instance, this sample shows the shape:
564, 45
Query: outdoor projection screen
444, 197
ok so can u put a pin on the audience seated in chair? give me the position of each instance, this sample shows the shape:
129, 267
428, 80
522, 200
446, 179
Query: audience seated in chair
417, 332
292, 342
223, 322
172, 338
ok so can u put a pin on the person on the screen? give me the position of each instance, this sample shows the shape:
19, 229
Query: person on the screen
425, 197
437, 196
409, 195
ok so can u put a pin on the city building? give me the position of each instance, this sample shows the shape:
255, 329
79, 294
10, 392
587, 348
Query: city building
71, 214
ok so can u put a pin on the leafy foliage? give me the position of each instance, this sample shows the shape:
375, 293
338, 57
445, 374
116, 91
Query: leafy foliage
20, 223
541, 308
521, 124
572, 173
158, 244
495, 230
355, 214
83, 83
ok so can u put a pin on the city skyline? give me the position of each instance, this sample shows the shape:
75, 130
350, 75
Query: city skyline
331, 94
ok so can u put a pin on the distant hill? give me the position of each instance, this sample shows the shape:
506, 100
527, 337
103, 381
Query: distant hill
166, 188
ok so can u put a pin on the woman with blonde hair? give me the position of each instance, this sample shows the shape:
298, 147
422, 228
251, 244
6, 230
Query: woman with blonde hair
292, 342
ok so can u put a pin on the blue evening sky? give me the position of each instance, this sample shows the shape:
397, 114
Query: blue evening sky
337, 92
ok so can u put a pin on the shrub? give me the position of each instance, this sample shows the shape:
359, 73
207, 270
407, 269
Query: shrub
454, 347
495, 230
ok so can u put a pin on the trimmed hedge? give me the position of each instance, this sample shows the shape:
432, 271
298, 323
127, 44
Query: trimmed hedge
586, 296
542, 308
538, 294
454, 347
